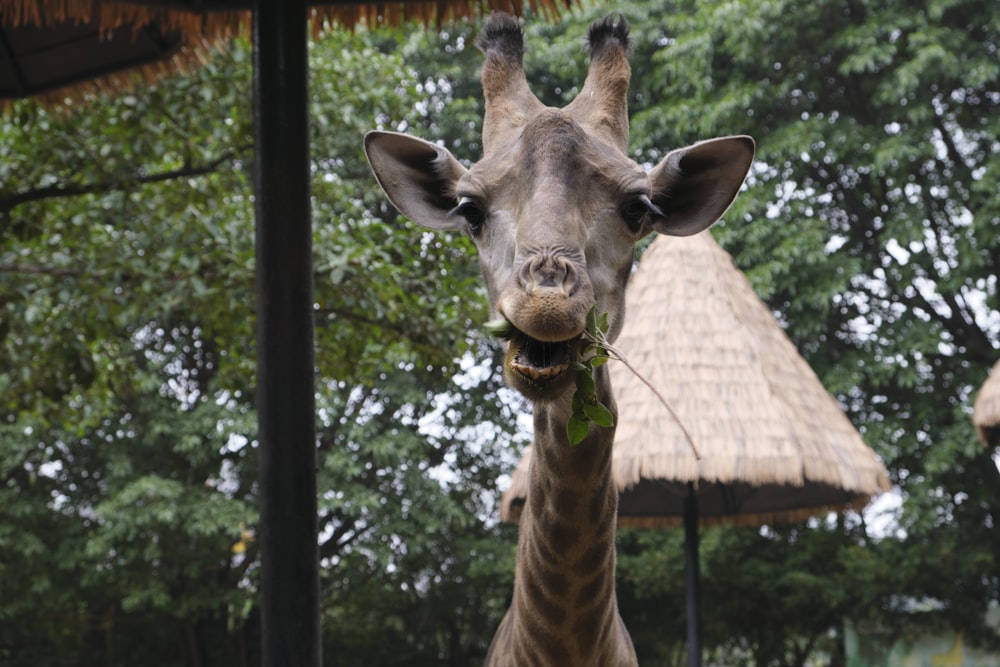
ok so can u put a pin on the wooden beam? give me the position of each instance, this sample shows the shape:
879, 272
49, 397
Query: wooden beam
289, 581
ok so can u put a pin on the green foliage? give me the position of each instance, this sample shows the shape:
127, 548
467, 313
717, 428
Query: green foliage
592, 353
870, 225
127, 421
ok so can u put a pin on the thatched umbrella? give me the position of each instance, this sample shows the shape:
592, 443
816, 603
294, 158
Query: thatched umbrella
774, 445
986, 410
63, 48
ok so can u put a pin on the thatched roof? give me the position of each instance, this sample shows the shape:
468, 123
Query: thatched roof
986, 410
70, 48
774, 444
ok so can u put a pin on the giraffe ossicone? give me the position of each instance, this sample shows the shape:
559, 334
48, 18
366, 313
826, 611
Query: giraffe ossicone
555, 207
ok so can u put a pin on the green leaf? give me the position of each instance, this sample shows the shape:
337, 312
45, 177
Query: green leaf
598, 413
599, 360
585, 384
602, 323
499, 328
577, 429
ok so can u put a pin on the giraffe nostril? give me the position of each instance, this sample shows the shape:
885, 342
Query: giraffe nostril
569, 281
547, 269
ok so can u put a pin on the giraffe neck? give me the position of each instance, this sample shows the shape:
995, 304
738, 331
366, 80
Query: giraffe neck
564, 610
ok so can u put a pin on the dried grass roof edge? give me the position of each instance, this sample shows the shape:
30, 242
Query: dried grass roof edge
208, 28
986, 409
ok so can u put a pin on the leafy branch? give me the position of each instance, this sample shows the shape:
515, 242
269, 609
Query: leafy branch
592, 353
596, 344
594, 350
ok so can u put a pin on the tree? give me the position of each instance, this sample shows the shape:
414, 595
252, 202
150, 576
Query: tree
127, 422
119, 409
127, 452
870, 227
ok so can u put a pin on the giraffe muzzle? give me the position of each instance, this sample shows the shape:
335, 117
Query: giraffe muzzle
546, 301
548, 296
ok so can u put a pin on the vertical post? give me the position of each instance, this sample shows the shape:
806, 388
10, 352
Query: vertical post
289, 578
691, 577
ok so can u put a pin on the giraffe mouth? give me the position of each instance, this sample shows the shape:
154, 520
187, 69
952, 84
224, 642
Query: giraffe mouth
539, 363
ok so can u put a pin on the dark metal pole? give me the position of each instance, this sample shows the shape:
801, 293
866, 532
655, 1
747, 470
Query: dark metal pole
289, 578
691, 577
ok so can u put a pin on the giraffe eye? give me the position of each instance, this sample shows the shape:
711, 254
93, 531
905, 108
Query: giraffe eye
473, 214
635, 210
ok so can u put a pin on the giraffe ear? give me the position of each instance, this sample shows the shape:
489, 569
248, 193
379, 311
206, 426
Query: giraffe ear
417, 176
694, 186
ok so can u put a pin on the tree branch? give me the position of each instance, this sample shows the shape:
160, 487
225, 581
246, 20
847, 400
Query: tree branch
952, 149
77, 189
39, 270
344, 535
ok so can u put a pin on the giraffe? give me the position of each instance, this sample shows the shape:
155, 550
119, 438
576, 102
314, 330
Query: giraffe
555, 207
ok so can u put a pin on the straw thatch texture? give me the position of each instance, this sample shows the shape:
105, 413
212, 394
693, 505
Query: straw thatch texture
774, 445
146, 39
986, 410
69, 49
200, 18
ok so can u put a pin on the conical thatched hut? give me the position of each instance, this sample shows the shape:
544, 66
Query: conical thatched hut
986, 410
773, 443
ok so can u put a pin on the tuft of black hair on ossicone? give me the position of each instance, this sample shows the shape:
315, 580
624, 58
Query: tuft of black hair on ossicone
612, 30
501, 33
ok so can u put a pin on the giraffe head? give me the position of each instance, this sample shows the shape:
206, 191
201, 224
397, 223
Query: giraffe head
555, 206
